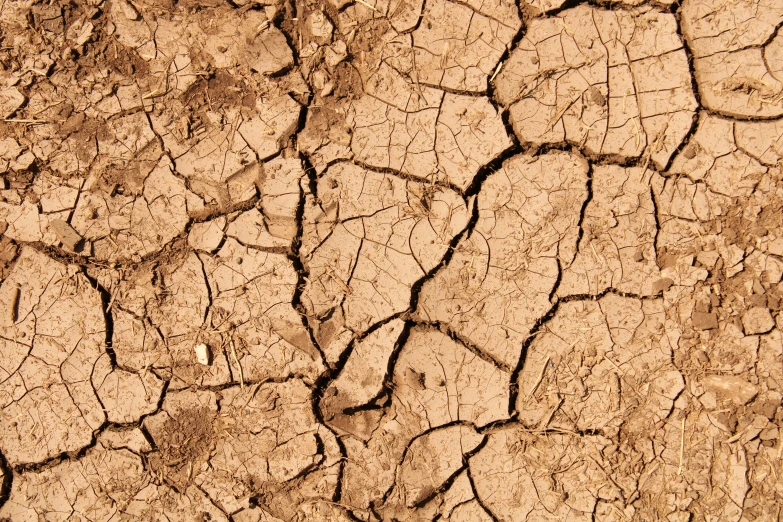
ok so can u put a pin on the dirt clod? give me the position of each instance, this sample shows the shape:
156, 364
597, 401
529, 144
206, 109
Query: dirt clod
704, 320
757, 321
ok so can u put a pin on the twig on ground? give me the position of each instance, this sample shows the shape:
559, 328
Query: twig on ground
239, 365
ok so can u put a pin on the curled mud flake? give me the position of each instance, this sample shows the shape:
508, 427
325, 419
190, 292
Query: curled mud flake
617, 248
440, 381
513, 475
251, 295
498, 282
736, 46
67, 236
599, 366
100, 485
613, 83
430, 461
318, 28
243, 186
48, 403
704, 320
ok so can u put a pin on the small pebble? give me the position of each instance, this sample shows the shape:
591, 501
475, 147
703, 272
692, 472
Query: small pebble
202, 354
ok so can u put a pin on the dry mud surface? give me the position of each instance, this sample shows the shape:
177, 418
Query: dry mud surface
399, 260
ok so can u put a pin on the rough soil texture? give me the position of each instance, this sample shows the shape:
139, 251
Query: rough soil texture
391, 260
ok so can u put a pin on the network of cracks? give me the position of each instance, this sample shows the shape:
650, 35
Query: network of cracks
393, 260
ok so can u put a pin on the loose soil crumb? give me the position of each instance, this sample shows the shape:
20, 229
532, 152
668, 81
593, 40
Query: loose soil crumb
378, 260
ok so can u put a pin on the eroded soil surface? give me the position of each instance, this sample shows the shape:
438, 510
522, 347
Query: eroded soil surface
399, 260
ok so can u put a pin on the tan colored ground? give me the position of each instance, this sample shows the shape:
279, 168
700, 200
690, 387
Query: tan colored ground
399, 260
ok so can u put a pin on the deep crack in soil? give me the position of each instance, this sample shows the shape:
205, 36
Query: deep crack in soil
391, 260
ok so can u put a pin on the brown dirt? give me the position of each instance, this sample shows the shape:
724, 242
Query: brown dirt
388, 260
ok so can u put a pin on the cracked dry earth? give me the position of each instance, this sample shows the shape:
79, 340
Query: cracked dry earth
399, 260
